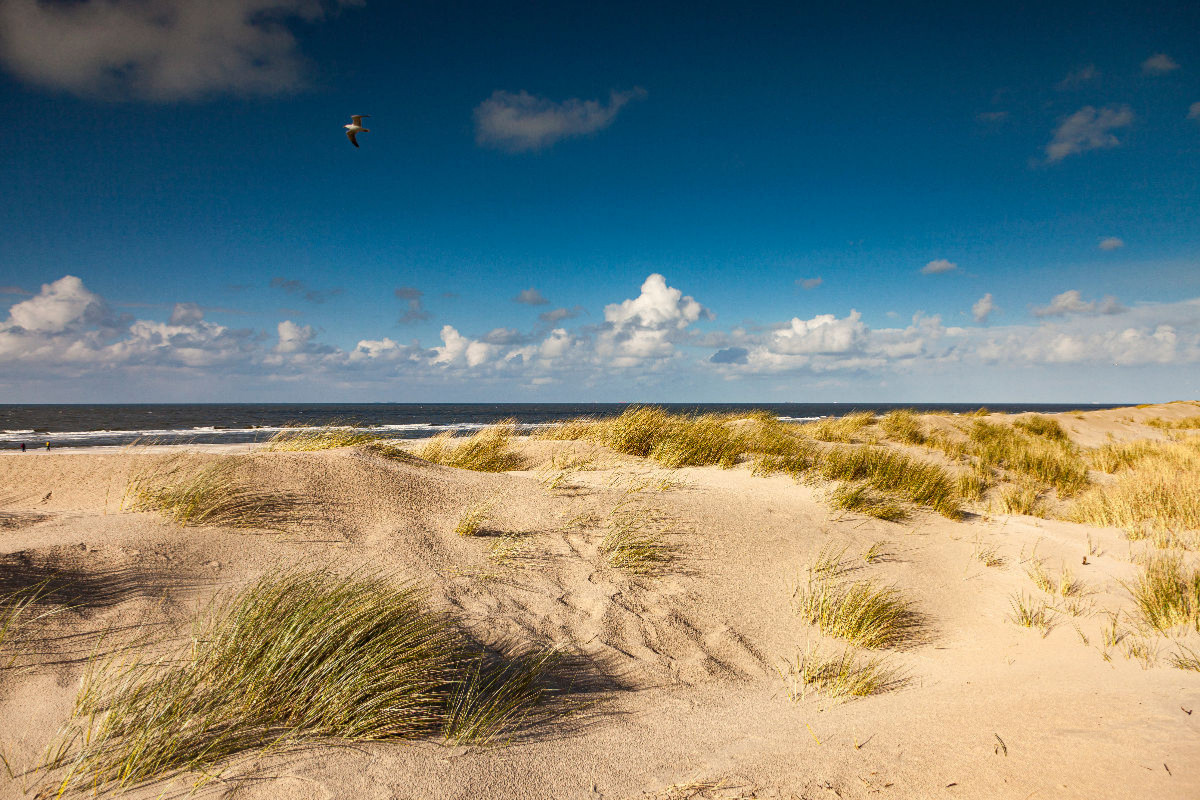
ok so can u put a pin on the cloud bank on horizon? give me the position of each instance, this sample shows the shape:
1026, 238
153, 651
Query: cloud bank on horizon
67, 332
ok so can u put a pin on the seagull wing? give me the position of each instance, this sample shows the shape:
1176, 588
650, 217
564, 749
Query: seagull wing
358, 118
350, 136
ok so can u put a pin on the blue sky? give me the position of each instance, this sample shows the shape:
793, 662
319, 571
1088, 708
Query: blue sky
862, 201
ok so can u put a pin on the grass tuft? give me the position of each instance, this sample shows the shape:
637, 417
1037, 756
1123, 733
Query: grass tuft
1156, 498
1186, 658
1038, 425
921, 482
212, 495
297, 436
1024, 499
487, 450
474, 518
839, 429
292, 658
1051, 462
1029, 612
633, 545
1167, 593
839, 676
903, 425
860, 612
860, 498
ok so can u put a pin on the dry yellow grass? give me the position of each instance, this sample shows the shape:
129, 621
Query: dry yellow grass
211, 495
861, 612
324, 437
487, 450
293, 658
839, 429
839, 676
1158, 498
1167, 593
1052, 462
903, 425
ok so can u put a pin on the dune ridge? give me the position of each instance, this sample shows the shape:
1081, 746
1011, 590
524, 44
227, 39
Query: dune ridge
680, 679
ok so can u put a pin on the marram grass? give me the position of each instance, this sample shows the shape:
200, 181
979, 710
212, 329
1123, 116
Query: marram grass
295, 657
1167, 593
211, 495
1157, 498
903, 425
863, 500
861, 612
839, 676
296, 436
487, 450
1051, 462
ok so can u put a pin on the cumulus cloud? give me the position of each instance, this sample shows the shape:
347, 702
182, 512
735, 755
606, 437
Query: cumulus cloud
1078, 77
158, 50
1159, 64
414, 310
1072, 302
983, 308
824, 333
1111, 243
646, 327
938, 267
809, 283
66, 303
531, 297
1087, 129
67, 333
1194, 111
522, 122
293, 338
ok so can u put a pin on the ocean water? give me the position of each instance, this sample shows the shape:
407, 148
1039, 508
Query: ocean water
108, 425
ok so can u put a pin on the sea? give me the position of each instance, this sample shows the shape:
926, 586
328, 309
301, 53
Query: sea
212, 423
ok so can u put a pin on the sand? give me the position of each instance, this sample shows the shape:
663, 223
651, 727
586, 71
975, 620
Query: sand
678, 692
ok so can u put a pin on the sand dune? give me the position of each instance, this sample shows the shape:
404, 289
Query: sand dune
677, 688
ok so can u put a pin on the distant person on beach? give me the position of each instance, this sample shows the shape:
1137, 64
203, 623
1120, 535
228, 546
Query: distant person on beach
22, 447
47, 445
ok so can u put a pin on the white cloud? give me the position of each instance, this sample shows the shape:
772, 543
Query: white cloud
645, 339
1072, 302
1078, 77
1111, 243
809, 283
823, 334
938, 267
1159, 64
521, 122
1087, 129
658, 306
60, 305
159, 50
646, 327
293, 338
1194, 111
983, 308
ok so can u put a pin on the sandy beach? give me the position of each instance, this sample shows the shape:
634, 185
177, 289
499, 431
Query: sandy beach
678, 682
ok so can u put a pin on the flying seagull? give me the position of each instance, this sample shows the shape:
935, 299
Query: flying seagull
355, 126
